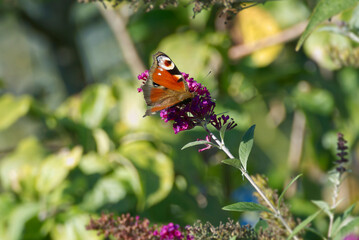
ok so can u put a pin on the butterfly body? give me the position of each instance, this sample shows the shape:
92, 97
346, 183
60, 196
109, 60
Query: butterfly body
165, 86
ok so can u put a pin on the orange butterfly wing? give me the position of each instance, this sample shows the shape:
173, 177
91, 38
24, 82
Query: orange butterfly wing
166, 79
165, 86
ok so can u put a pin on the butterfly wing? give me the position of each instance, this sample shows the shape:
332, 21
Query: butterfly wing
165, 73
165, 86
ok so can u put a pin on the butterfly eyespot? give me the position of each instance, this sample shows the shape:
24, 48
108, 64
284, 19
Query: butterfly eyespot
165, 63
168, 63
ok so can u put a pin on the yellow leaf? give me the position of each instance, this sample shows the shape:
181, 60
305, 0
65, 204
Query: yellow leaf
255, 24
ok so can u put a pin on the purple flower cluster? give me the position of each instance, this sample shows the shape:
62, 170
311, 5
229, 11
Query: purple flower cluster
171, 231
342, 154
142, 77
351, 236
194, 113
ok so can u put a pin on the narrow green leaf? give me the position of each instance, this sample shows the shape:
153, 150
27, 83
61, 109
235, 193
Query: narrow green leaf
324, 206
195, 143
233, 238
245, 146
348, 211
315, 231
246, 206
223, 131
304, 224
261, 224
336, 225
347, 228
233, 162
324, 10
286, 189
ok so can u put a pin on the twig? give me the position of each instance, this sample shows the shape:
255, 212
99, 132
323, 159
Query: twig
239, 51
296, 144
118, 26
251, 181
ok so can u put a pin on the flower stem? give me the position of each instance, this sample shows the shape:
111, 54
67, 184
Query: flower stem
334, 204
276, 211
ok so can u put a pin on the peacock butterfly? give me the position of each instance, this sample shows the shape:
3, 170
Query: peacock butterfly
165, 86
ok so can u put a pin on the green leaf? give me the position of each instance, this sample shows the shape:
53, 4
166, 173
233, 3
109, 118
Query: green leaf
286, 189
233, 238
316, 232
95, 103
55, 168
102, 140
246, 206
108, 190
19, 217
336, 225
92, 163
245, 146
334, 177
23, 162
323, 206
73, 228
12, 109
348, 211
223, 131
234, 163
303, 224
261, 224
347, 228
195, 143
155, 169
324, 10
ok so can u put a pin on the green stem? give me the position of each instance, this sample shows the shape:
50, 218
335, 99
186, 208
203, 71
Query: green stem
277, 213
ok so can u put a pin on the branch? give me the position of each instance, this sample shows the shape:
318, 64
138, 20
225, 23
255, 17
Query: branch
239, 51
118, 26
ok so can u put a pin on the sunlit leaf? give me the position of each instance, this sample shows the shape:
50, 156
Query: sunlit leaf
11, 109
195, 143
245, 146
324, 10
325, 47
95, 103
253, 25
18, 170
233, 162
323, 206
103, 141
114, 187
73, 229
246, 206
19, 217
155, 170
108, 190
55, 168
92, 163
189, 40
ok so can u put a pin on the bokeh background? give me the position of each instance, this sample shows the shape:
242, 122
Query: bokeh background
73, 142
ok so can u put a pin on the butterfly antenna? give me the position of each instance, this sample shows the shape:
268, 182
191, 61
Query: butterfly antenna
201, 82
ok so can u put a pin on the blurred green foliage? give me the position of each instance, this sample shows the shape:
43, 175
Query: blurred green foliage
73, 141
